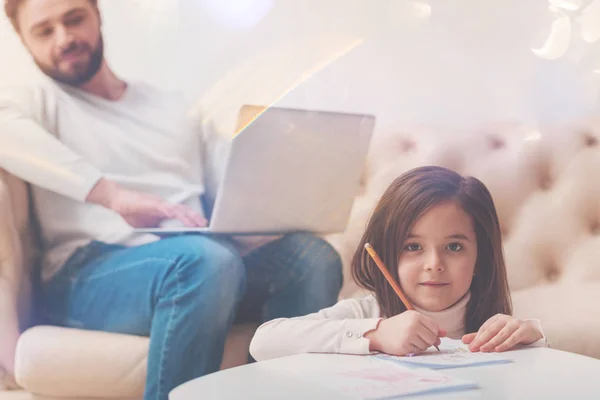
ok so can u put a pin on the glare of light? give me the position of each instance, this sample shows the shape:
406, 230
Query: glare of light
273, 74
151, 7
154, 11
150, 4
533, 136
238, 14
420, 9
569, 5
305, 76
403, 11
557, 43
590, 22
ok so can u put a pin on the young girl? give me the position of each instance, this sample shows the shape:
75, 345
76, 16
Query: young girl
438, 234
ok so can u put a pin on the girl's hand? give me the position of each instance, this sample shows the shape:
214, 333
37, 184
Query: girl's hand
409, 332
502, 333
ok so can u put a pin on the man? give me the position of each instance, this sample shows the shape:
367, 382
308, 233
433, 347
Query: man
103, 156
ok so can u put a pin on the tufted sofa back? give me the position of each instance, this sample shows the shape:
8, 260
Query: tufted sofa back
545, 182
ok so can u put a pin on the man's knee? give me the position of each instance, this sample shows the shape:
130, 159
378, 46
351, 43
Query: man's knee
203, 261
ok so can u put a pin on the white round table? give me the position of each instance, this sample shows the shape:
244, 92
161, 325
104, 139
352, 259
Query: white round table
536, 373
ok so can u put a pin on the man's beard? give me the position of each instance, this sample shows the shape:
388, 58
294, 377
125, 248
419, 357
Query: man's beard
81, 73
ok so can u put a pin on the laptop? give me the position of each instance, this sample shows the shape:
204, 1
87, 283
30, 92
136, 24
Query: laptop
288, 170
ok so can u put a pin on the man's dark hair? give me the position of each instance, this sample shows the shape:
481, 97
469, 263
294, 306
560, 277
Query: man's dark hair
11, 7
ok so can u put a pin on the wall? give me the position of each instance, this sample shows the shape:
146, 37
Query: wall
458, 62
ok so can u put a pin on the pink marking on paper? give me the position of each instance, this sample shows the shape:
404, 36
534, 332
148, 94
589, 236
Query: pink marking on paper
383, 376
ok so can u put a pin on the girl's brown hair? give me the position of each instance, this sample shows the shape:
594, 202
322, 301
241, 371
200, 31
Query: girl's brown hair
404, 202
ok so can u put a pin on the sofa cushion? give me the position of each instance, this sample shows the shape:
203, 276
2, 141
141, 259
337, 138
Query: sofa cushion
568, 313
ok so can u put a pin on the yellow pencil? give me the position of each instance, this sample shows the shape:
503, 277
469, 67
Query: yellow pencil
390, 280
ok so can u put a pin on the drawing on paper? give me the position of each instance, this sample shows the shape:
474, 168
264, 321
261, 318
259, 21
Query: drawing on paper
393, 377
451, 355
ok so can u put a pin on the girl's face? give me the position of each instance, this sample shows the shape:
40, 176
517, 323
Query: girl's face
438, 258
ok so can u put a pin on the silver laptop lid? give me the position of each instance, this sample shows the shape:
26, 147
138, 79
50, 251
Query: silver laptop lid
292, 170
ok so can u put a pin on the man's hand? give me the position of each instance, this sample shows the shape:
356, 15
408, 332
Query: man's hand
142, 210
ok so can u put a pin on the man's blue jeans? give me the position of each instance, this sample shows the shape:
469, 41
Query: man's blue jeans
185, 293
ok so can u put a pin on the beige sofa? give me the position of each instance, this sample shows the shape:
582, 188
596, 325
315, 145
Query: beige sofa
546, 184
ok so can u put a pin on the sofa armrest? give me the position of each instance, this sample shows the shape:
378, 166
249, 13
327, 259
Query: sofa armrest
65, 362
13, 284
73, 363
9, 333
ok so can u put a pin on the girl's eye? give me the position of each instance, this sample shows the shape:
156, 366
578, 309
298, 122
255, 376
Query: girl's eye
455, 247
412, 247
